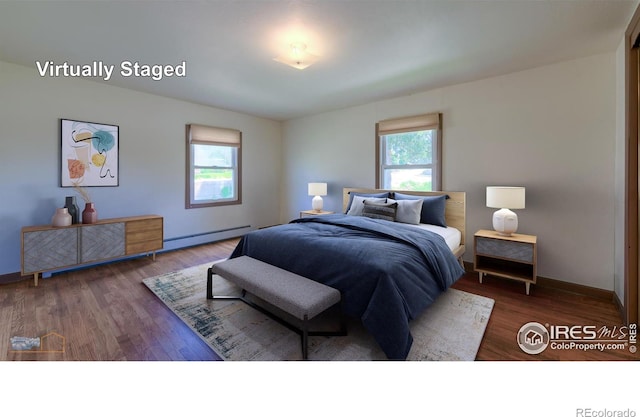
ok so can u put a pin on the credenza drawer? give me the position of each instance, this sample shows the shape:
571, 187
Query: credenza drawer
144, 235
144, 225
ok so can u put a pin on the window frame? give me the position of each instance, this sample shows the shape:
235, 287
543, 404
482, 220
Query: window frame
212, 136
431, 121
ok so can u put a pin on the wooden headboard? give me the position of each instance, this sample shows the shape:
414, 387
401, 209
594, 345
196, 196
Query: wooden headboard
455, 209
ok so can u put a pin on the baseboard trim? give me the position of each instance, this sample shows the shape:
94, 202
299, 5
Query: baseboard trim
620, 307
567, 287
575, 288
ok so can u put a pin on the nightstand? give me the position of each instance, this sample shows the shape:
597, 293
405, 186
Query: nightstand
305, 213
513, 257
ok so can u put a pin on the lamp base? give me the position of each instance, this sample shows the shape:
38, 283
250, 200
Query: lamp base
316, 203
505, 222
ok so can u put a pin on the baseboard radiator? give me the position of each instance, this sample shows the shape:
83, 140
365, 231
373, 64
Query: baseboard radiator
194, 239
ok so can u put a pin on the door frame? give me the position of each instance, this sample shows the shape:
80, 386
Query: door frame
632, 114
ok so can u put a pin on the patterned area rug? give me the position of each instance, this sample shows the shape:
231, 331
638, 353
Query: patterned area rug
450, 330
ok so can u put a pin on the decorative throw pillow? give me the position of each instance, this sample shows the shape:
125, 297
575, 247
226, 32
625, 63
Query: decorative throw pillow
383, 211
358, 204
408, 210
353, 194
432, 207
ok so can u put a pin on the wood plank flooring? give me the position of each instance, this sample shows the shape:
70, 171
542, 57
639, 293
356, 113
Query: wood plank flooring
105, 313
547, 306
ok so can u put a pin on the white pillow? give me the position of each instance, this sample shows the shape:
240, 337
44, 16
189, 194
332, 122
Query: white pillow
358, 204
408, 210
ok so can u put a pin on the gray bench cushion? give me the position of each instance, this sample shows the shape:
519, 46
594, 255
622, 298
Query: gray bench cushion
295, 294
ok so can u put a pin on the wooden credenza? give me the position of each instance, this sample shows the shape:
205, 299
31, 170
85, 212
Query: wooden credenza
47, 248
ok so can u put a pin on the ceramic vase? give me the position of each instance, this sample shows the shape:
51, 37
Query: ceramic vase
61, 218
89, 214
72, 207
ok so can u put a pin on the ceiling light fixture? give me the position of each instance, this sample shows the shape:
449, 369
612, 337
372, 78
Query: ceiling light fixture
298, 57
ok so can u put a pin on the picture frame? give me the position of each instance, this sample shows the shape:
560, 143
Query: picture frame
89, 154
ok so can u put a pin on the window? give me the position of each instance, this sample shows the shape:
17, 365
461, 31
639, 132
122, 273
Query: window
408, 153
213, 166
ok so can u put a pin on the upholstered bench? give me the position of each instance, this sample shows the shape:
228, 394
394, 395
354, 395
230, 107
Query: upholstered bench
296, 295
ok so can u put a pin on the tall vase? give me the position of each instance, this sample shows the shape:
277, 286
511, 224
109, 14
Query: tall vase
61, 218
72, 207
89, 214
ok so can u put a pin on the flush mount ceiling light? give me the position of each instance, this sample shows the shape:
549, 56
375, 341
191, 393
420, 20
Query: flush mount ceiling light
297, 57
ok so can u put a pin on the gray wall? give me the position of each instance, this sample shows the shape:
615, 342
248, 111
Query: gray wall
152, 158
551, 129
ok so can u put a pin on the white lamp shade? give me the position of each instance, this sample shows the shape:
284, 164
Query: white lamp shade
505, 197
317, 188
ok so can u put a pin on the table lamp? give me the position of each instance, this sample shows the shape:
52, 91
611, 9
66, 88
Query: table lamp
505, 221
317, 189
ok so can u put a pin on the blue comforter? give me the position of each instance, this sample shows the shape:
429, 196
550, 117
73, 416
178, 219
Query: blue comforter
388, 273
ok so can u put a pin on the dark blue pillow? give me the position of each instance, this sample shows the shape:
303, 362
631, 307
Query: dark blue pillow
432, 207
374, 195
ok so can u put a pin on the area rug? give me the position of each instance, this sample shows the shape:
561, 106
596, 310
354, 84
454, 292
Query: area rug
449, 330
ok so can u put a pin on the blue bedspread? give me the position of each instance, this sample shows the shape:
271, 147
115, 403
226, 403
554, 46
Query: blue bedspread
388, 273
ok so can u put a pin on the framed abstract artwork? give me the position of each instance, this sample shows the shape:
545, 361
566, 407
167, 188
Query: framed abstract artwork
89, 154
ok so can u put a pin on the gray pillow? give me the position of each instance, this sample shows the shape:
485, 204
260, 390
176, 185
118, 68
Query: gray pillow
408, 210
382, 211
358, 204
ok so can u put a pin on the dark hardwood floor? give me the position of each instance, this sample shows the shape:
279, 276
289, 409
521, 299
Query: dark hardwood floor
546, 306
105, 313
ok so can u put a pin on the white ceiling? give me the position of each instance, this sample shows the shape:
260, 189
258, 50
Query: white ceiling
369, 50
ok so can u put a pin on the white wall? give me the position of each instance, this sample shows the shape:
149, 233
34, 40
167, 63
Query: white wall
551, 129
152, 158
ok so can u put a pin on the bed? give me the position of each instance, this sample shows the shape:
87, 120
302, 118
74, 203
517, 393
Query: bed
387, 272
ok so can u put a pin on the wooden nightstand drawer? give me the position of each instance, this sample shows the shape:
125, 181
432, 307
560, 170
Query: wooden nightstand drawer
505, 249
